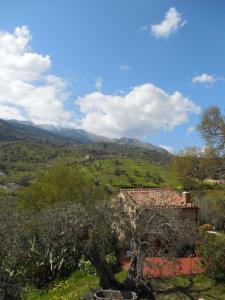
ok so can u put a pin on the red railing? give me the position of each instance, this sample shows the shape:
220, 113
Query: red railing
156, 267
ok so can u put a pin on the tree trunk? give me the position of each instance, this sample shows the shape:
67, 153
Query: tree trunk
135, 280
106, 275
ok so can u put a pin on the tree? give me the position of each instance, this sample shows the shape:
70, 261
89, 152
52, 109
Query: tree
39, 245
151, 230
58, 184
187, 166
192, 166
212, 251
212, 128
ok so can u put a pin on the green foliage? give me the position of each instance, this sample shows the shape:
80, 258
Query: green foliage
73, 288
212, 128
186, 288
85, 267
192, 167
129, 173
57, 184
212, 251
212, 207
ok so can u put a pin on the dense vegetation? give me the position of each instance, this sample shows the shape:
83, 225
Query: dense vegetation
56, 213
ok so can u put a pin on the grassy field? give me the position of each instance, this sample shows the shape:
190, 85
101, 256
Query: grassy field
21, 159
73, 288
198, 287
125, 172
179, 288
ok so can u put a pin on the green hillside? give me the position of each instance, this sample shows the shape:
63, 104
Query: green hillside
25, 150
113, 166
128, 173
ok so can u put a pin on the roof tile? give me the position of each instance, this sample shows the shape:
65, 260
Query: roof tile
160, 197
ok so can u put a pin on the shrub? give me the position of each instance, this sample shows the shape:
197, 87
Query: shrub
85, 267
118, 172
212, 251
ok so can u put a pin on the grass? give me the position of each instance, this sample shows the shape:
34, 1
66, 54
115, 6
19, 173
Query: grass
126, 172
178, 288
74, 288
187, 288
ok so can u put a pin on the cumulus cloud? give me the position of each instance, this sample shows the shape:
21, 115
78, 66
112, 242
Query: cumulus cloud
146, 109
27, 90
204, 78
98, 83
167, 148
172, 22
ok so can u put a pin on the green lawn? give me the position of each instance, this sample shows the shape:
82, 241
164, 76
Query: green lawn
179, 288
186, 288
73, 288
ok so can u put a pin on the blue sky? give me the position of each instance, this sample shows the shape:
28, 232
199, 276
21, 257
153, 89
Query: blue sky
103, 66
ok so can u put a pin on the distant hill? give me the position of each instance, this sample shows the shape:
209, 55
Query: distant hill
15, 131
25, 149
85, 137
82, 141
139, 144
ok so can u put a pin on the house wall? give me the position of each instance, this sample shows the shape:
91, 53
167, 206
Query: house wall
190, 214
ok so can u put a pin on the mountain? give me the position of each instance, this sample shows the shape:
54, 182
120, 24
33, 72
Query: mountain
139, 144
27, 131
14, 131
27, 148
80, 135
85, 137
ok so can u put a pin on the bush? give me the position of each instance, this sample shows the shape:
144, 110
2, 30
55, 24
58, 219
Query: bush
85, 267
211, 248
118, 172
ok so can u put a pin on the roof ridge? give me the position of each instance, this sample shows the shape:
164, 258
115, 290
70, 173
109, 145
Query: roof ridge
147, 189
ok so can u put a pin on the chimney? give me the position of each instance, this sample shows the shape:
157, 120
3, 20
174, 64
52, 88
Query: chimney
186, 197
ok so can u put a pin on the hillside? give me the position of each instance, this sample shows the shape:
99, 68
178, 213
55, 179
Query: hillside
128, 173
25, 150
14, 131
79, 136
85, 137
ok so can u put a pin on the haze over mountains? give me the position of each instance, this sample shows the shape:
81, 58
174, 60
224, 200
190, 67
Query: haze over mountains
13, 129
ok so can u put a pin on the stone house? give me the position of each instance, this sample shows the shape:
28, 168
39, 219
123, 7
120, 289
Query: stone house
133, 198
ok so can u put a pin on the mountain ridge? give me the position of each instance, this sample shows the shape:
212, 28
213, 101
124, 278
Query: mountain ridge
14, 129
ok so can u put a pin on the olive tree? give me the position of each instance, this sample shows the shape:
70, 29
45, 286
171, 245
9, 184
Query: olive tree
149, 231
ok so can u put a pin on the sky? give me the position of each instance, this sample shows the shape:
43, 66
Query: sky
119, 68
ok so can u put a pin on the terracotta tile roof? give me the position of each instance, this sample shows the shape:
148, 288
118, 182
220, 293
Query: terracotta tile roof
160, 197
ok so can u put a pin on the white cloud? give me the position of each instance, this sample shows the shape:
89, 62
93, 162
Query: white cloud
190, 130
146, 109
172, 22
98, 83
27, 90
167, 148
124, 67
204, 78
144, 28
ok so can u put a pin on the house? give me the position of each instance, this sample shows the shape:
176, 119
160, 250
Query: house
161, 197
152, 239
